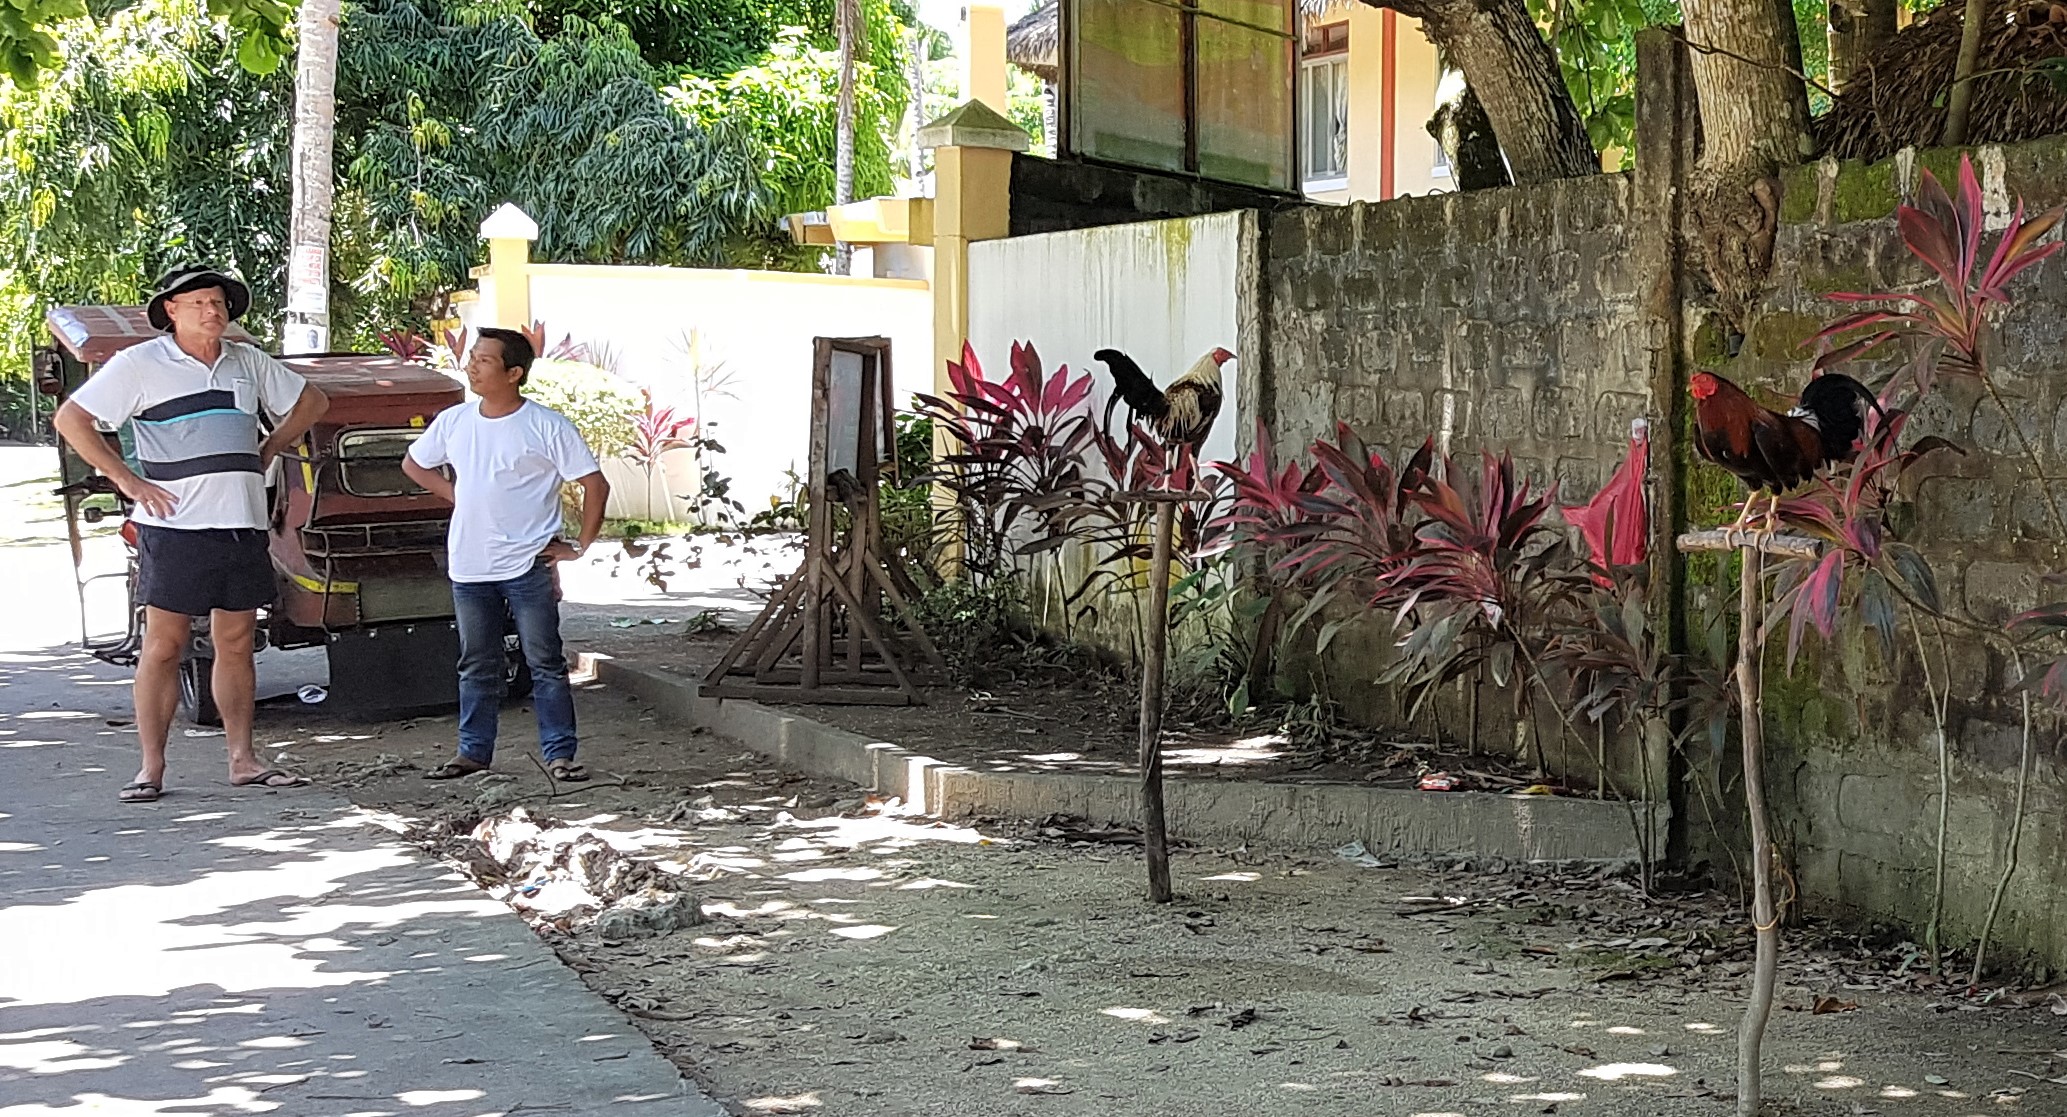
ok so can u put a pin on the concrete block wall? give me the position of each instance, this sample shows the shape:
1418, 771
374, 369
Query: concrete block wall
1499, 320
1526, 320
1853, 743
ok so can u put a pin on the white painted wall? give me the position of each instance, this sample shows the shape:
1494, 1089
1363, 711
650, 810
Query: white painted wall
759, 326
1163, 292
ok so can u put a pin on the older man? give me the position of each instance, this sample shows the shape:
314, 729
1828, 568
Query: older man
196, 401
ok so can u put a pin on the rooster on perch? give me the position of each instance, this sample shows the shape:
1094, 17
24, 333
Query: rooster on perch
1771, 452
1181, 414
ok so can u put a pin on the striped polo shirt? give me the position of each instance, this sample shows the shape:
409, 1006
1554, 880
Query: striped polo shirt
195, 428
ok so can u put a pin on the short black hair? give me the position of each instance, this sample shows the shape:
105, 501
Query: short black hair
516, 349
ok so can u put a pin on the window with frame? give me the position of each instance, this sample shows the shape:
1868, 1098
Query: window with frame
1324, 107
1200, 87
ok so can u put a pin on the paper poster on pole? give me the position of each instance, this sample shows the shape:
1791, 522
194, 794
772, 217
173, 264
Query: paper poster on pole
308, 279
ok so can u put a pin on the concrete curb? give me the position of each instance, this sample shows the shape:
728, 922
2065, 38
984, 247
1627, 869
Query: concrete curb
1282, 815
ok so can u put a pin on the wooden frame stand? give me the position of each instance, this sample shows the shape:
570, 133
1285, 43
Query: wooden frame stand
821, 638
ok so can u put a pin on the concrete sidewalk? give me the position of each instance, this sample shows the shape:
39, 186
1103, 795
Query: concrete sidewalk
226, 951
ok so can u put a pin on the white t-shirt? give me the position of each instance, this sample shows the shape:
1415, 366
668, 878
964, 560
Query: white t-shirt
195, 428
507, 474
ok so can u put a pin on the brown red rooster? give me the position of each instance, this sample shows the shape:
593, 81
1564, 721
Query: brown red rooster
1181, 414
1771, 452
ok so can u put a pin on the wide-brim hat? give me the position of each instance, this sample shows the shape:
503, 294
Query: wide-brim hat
181, 281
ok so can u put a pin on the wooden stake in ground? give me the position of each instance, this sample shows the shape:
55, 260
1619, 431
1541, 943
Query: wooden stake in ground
1154, 840
1765, 920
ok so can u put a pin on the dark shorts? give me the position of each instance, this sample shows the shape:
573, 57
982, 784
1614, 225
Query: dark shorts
198, 572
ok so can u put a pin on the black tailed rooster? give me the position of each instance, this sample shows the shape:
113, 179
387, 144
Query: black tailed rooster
1181, 414
1771, 452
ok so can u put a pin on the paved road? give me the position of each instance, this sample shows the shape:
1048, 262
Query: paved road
235, 952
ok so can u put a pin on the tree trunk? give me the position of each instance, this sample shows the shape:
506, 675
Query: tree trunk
849, 17
1507, 62
1754, 121
1754, 112
1467, 140
307, 325
1961, 103
1857, 29
915, 76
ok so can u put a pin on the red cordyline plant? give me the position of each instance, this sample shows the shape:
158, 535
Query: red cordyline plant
1016, 448
1850, 514
566, 349
1951, 322
1332, 530
405, 345
1482, 584
655, 431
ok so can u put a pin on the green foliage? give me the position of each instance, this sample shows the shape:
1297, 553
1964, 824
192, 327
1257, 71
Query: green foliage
445, 111
149, 142
602, 407
790, 104
31, 32
149, 145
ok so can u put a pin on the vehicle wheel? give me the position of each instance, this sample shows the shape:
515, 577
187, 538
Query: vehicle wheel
197, 692
516, 673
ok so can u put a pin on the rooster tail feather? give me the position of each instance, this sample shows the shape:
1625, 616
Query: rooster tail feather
1132, 384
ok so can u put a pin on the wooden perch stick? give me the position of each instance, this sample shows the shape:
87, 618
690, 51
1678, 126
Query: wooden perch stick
1154, 836
1723, 540
1155, 842
1765, 919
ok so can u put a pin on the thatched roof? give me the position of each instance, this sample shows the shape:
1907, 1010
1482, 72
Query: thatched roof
1032, 43
1897, 100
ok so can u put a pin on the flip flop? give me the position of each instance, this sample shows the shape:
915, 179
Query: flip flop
567, 771
456, 768
272, 777
142, 791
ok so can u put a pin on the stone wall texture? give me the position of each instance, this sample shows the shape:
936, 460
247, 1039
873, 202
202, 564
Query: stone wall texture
1852, 739
1519, 320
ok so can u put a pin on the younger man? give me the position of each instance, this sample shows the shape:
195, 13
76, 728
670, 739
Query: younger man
509, 457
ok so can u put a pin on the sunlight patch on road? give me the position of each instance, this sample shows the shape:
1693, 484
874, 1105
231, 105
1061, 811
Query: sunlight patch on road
795, 1103
1616, 1072
863, 931
438, 1097
57, 1056
928, 884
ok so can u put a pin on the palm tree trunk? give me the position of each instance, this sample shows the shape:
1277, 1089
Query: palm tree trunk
843, 155
307, 326
915, 77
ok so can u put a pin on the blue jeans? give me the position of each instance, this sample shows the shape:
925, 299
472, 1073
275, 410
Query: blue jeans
479, 607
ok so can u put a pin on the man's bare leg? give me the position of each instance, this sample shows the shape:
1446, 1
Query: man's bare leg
236, 687
157, 687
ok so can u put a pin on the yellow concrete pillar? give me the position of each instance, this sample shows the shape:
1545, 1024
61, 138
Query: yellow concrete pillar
972, 200
509, 232
983, 57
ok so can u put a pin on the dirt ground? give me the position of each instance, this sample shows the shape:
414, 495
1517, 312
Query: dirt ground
855, 961
852, 960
